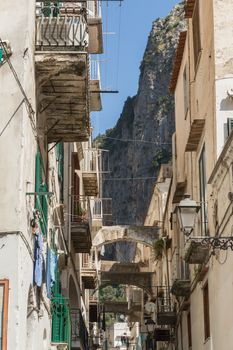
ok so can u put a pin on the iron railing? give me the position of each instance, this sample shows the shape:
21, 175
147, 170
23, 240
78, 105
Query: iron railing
80, 209
103, 161
90, 161
63, 32
180, 269
93, 8
79, 330
163, 300
87, 262
101, 208
94, 70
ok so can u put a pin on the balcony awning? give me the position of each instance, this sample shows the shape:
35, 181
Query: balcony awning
195, 135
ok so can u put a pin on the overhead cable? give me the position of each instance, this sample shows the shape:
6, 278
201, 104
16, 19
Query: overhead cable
15, 112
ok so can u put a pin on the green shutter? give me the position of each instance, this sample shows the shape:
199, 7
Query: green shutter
41, 200
60, 166
61, 320
1, 55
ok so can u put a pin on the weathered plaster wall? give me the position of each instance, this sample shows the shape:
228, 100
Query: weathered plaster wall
17, 144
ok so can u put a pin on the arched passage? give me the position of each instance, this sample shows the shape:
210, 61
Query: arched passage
142, 280
138, 234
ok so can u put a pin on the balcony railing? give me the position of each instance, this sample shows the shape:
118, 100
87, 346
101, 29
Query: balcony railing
58, 30
94, 70
87, 262
81, 222
166, 313
93, 8
90, 162
180, 276
80, 209
79, 330
101, 208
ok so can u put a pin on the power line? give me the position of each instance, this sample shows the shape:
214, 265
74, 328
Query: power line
130, 178
15, 112
142, 141
31, 112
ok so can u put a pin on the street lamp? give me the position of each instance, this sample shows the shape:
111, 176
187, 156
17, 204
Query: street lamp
187, 211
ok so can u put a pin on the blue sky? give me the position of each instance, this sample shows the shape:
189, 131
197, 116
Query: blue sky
128, 27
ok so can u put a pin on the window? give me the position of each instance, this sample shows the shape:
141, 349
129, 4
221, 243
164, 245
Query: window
206, 311
4, 292
41, 199
229, 125
196, 33
186, 90
202, 186
189, 330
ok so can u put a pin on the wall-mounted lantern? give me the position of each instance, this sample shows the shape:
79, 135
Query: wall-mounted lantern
187, 211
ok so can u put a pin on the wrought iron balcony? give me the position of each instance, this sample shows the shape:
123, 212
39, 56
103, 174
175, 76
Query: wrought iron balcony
90, 172
81, 224
166, 313
95, 87
79, 330
61, 29
196, 253
180, 278
62, 75
88, 272
101, 209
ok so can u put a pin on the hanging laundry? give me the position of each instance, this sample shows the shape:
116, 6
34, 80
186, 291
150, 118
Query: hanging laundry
53, 267
38, 263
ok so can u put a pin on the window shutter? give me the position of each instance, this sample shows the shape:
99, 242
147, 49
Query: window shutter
1, 55
60, 166
41, 200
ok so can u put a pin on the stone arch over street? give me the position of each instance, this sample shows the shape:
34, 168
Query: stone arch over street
143, 280
139, 234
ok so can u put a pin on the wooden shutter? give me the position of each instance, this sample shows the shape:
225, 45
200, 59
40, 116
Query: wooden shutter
206, 311
189, 329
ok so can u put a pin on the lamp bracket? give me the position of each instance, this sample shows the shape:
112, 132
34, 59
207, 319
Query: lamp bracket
222, 243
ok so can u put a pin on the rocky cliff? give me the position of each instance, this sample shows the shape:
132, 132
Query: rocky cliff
141, 139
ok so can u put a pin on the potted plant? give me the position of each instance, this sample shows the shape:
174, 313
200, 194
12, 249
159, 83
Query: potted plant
158, 248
